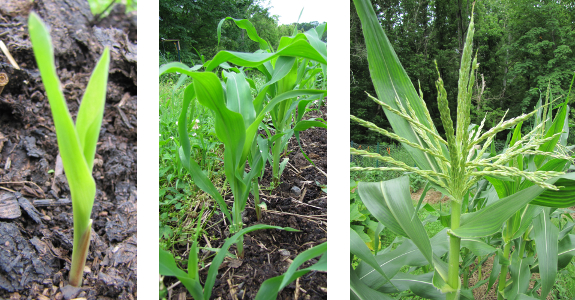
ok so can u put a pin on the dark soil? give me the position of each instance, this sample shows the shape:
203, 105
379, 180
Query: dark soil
36, 235
269, 253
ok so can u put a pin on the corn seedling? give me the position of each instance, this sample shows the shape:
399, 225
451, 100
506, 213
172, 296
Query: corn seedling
77, 143
269, 289
452, 166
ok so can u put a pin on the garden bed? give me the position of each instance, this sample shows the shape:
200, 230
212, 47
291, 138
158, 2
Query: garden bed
36, 247
268, 253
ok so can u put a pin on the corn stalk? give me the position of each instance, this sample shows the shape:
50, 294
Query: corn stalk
452, 165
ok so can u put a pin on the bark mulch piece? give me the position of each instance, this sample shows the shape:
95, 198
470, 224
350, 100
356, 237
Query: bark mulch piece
36, 236
269, 253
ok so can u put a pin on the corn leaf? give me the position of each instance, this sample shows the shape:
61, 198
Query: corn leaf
520, 275
391, 82
420, 285
566, 250
488, 220
250, 29
359, 290
546, 238
477, 246
77, 144
392, 200
168, 267
359, 249
299, 48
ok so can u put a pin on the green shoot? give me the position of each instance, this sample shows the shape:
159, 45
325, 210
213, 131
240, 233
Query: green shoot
77, 143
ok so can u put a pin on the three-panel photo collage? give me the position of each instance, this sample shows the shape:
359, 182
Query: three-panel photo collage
450, 147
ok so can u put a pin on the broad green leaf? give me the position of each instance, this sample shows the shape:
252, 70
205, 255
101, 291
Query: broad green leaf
556, 127
520, 275
494, 272
306, 124
395, 195
477, 246
391, 82
406, 254
230, 128
488, 220
563, 198
546, 238
300, 48
358, 290
527, 215
308, 254
566, 250
271, 287
168, 267
200, 179
371, 196
359, 249
239, 97
250, 29
282, 68
420, 285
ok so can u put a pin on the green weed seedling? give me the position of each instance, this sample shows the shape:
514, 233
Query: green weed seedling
77, 143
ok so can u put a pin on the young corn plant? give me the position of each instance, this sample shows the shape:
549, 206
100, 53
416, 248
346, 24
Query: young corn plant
452, 166
77, 143
286, 69
268, 290
238, 117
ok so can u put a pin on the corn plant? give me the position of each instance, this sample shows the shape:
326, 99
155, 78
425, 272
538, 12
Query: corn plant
452, 166
238, 114
296, 64
269, 289
238, 117
77, 143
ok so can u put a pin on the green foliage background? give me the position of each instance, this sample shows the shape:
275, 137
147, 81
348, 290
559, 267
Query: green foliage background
522, 47
195, 24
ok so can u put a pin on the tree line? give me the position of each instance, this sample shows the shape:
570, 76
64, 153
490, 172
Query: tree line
194, 23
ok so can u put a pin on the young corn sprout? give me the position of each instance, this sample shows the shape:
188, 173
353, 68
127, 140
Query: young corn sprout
77, 143
452, 165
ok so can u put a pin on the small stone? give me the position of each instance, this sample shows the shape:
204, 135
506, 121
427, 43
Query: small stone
87, 269
103, 213
70, 292
295, 190
284, 252
46, 218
